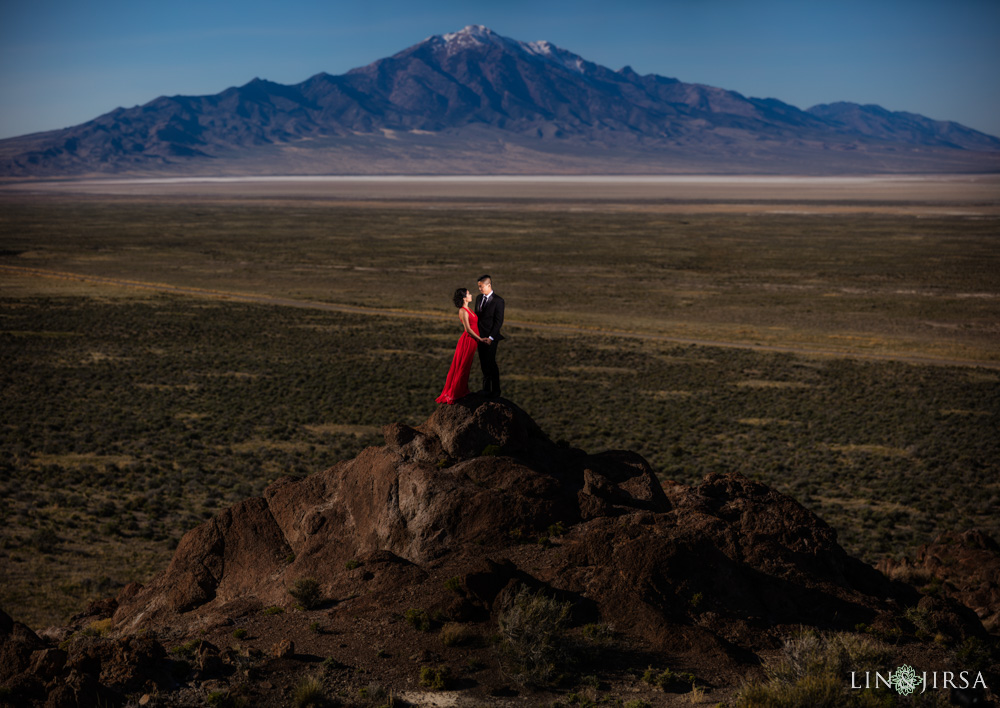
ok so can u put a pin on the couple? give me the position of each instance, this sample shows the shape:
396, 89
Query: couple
481, 331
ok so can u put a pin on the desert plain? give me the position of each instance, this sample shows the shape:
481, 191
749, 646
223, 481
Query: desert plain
172, 346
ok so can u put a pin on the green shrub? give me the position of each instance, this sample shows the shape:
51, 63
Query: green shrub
811, 671
534, 644
934, 587
668, 680
418, 619
225, 699
44, 540
491, 451
922, 622
436, 678
376, 694
814, 690
597, 632
97, 628
309, 694
239, 633
454, 584
454, 634
974, 654
306, 592
273, 610
186, 649
352, 564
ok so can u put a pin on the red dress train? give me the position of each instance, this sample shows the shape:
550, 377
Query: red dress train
457, 384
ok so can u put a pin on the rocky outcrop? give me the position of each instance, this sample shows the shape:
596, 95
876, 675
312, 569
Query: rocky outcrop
88, 672
477, 480
474, 478
446, 522
964, 566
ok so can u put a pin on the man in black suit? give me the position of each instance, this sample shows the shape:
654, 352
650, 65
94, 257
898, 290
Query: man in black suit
489, 309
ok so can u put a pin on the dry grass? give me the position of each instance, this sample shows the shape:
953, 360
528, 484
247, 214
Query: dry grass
340, 429
757, 383
873, 284
877, 450
172, 407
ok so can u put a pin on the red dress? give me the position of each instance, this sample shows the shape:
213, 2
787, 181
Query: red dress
457, 384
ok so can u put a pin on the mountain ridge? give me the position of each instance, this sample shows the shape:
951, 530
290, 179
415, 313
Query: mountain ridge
534, 107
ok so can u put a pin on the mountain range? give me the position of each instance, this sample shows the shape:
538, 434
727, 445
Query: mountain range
476, 102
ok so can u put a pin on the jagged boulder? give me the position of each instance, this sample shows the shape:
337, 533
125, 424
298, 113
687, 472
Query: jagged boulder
731, 557
17, 645
478, 474
89, 671
476, 480
964, 565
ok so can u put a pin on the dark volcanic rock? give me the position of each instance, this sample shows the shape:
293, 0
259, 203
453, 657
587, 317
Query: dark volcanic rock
429, 492
17, 643
964, 565
447, 523
91, 671
480, 478
733, 557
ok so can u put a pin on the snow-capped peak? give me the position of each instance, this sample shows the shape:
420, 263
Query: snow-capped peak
470, 36
477, 35
469, 31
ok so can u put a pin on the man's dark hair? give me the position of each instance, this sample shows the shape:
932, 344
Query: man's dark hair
459, 296
485, 277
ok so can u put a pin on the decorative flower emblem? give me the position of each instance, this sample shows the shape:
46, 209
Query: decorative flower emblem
905, 680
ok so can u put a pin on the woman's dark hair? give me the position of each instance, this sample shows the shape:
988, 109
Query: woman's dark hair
460, 296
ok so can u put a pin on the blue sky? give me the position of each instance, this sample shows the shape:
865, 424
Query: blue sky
63, 62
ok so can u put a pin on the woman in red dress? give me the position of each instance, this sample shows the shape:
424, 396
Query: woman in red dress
457, 384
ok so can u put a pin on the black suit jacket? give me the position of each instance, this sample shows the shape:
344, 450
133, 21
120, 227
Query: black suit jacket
490, 317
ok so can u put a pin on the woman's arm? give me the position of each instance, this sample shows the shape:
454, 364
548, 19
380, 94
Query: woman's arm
464, 316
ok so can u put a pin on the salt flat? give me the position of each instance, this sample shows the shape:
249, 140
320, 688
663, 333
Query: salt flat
957, 194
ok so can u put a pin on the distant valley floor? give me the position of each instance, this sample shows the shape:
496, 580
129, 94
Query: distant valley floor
969, 195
